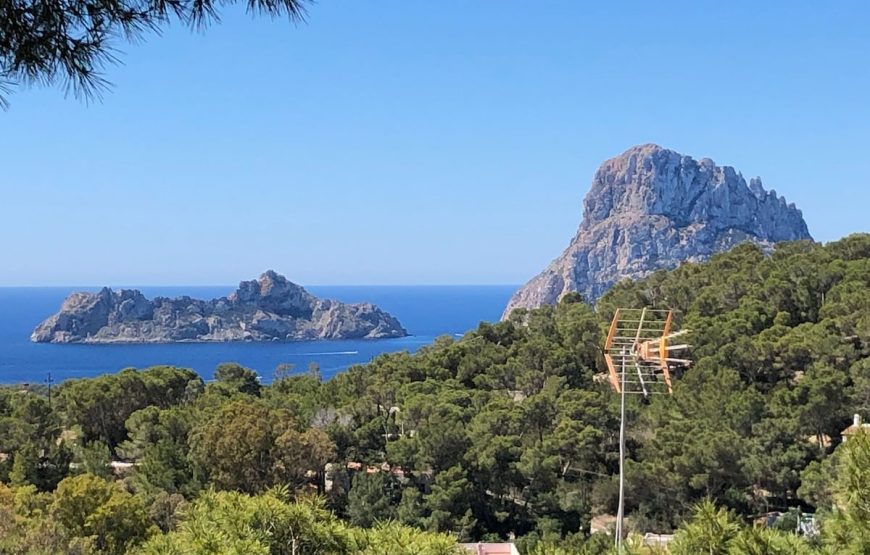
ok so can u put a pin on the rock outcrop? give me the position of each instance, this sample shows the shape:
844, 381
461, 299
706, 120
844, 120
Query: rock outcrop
268, 309
651, 208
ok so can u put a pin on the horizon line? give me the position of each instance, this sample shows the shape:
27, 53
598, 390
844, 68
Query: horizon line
91, 286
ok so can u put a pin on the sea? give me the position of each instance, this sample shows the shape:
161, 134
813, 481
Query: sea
425, 311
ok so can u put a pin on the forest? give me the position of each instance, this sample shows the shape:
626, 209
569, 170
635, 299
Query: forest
507, 433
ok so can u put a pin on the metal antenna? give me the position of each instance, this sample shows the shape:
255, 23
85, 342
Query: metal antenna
639, 338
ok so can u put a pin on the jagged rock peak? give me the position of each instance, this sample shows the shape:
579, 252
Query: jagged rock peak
274, 293
271, 308
651, 208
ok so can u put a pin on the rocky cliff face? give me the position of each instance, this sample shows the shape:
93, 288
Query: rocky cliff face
268, 309
651, 208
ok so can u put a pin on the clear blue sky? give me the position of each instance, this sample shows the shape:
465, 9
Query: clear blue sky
412, 142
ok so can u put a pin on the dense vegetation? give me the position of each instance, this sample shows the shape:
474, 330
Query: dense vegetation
506, 432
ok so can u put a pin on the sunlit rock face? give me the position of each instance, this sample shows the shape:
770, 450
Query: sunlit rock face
270, 308
651, 208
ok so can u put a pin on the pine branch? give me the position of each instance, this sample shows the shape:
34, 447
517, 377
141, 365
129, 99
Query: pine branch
70, 42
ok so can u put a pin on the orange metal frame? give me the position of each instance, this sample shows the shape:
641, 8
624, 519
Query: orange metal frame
663, 351
614, 377
654, 351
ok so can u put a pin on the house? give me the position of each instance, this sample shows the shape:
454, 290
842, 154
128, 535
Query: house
121, 467
602, 524
857, 426
657, 540
491, 548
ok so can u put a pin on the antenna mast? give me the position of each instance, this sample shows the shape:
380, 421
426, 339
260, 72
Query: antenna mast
49, 381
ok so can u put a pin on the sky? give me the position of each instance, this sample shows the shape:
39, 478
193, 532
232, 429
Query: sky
413, 142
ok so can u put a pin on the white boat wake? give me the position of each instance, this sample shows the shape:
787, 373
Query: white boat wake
330, 353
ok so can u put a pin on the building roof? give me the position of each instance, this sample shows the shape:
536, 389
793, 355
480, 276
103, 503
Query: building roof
491, 548
853, 429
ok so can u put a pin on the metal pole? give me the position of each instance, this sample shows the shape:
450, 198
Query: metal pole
640, 378
621, 509
49, 382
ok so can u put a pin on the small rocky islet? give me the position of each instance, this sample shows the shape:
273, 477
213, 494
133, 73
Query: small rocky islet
270, 308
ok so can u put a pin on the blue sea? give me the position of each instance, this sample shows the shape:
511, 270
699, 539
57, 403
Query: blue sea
426, 312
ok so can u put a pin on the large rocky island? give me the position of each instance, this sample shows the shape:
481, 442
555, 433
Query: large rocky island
651, 208
268, 309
